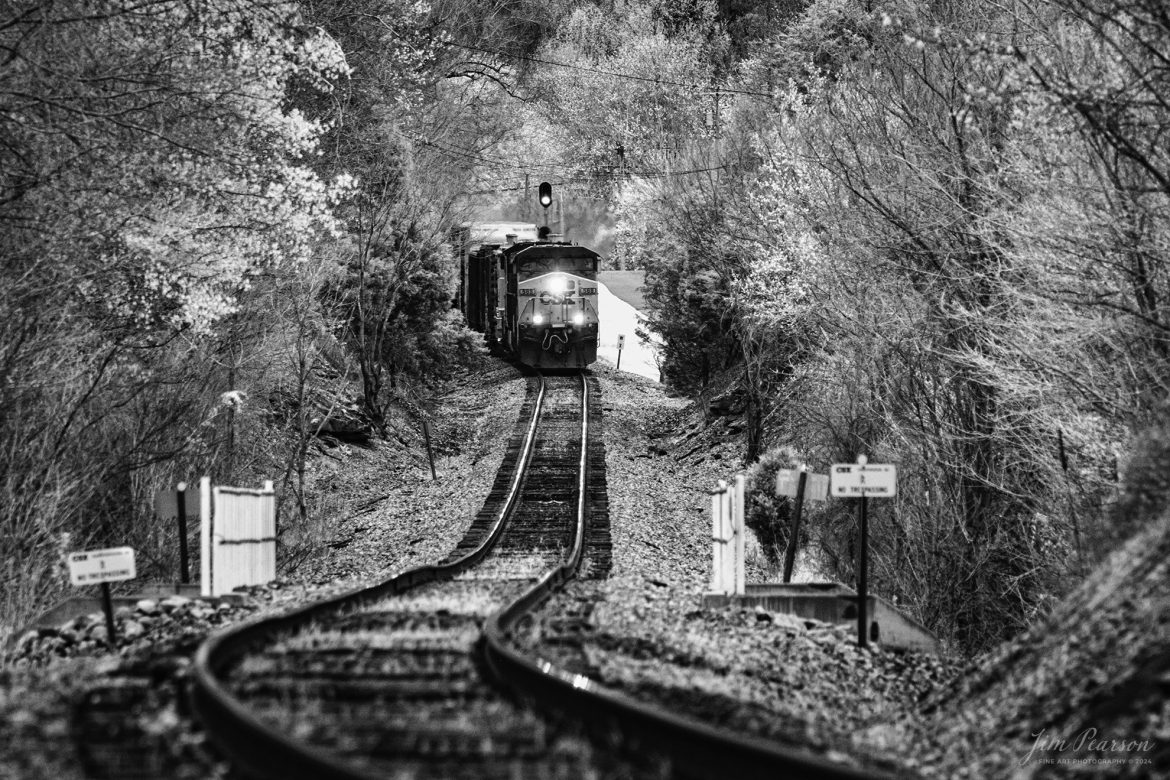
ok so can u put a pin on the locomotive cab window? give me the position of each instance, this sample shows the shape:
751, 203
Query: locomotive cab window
578, 266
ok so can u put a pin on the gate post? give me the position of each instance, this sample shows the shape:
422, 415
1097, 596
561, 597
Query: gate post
738, 532
716, 544
205, 536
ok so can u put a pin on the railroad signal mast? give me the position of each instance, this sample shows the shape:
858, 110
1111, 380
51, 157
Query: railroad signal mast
544, 195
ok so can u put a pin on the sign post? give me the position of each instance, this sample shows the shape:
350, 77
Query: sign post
798, 485
621, 343
861, 480
797, 510
103, 567
181, 504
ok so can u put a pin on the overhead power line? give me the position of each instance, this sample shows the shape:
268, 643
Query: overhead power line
584, 178
617, 174
478, 156
594, 178
616, 74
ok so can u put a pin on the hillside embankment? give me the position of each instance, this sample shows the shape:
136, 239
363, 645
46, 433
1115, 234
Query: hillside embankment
1084, 692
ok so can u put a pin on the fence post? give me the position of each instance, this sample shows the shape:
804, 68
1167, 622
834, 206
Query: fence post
268, 549
740, 484
205, 536
725, 531
716, 544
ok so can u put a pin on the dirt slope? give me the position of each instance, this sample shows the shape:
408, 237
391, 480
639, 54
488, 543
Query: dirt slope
1083, 693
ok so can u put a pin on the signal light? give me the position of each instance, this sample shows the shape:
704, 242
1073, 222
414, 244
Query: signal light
545, 194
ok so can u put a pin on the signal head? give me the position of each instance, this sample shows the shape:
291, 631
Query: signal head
545, 194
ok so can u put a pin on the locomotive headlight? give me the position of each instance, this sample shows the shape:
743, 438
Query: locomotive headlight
537, 319
579, 318
556, 284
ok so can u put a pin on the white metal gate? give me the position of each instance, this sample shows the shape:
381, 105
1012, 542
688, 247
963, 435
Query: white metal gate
727, 536
237, 537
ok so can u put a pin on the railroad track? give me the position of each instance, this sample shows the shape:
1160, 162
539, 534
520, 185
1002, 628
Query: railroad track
417, 677
389, 681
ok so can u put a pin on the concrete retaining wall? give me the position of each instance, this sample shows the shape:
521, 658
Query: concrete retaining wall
832, 602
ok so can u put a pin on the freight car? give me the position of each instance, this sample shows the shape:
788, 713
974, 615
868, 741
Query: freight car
534, 299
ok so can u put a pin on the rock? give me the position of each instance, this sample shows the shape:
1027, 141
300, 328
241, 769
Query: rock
22, 719
726, 405
123, 613
132, 629
147, 607
717, 407
788, 621
171, 603
55, 729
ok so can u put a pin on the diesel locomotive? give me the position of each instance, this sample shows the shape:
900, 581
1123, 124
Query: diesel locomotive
533, 298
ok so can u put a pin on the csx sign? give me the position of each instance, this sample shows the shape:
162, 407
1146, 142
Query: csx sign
856, 480
95, 566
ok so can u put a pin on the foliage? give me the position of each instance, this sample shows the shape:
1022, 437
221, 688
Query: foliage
149, 145
916, 232
151, 174
396, 282
768, 515
687, 288
651, 120
918, 181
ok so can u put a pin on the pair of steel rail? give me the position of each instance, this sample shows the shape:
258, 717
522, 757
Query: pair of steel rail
696, 749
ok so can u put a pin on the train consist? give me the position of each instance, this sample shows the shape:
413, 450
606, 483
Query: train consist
532, 298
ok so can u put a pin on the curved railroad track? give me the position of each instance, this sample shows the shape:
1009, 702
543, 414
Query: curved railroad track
393, 680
